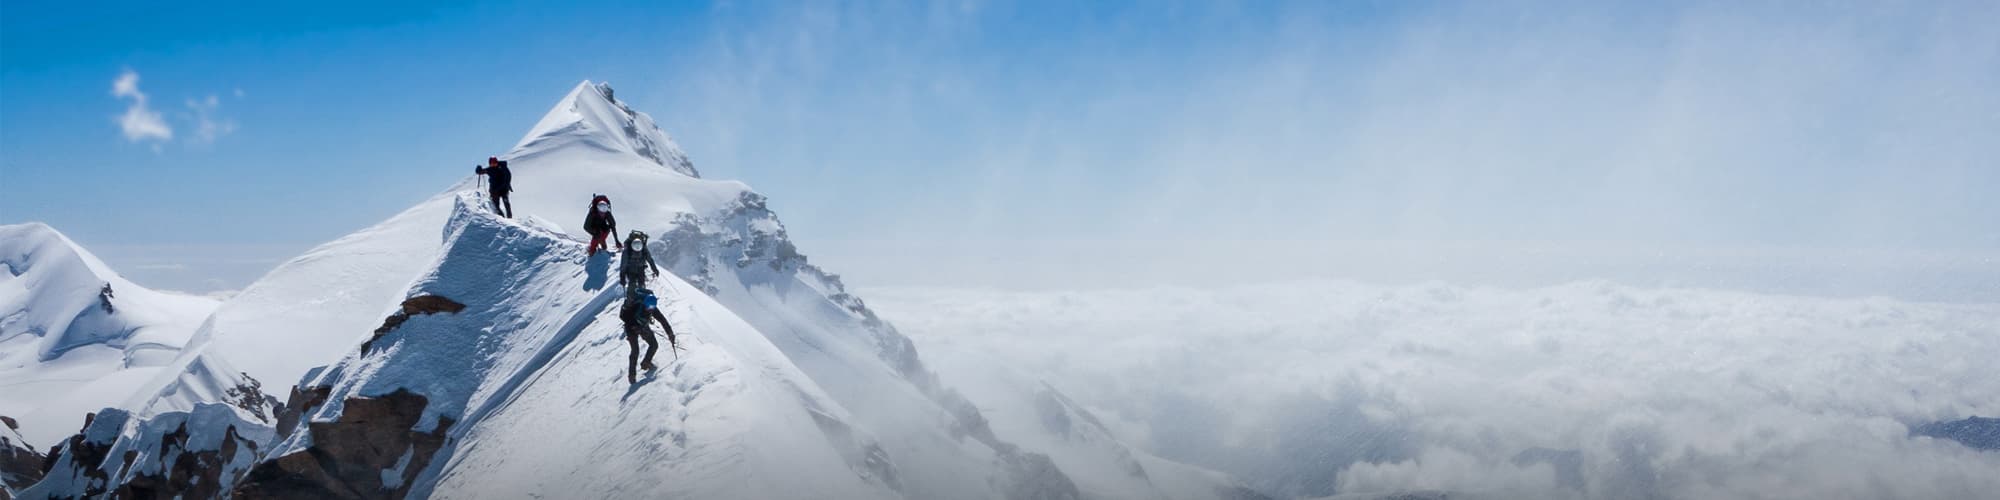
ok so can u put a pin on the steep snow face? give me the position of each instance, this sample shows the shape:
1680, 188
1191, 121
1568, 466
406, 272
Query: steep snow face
739, 253
527, 381
591, 116
305, 313
69, 346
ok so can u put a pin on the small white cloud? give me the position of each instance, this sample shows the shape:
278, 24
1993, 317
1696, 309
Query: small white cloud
207, 126
140, 122
239, 93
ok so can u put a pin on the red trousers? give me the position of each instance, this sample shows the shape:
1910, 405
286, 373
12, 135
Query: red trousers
597, 242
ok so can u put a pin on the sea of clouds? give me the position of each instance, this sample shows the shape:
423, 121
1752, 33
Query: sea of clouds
1585, 390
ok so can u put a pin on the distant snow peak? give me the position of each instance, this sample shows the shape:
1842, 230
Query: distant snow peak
74, 335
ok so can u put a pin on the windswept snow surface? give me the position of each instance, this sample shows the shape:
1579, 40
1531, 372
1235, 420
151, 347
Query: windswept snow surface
532, 375
1586, 390
61, 353
591, 115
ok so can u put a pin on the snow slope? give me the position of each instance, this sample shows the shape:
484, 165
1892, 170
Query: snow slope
539, 342
305, 313
61, 353
790, 383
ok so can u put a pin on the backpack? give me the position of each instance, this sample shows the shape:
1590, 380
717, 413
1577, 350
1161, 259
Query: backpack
593, 221
633, 311
634, 261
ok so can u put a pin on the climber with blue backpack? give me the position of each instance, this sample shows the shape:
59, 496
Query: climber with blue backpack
640, 307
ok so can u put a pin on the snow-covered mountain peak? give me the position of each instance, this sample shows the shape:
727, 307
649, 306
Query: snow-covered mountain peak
74, 335
592, 114
487, 351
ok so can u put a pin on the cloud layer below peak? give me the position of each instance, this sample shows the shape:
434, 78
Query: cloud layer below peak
1586, 390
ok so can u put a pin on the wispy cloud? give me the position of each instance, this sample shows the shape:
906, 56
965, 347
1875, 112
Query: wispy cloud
208, 125
140, 123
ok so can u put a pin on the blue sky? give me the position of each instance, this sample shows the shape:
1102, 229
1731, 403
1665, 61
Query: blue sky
1012, 144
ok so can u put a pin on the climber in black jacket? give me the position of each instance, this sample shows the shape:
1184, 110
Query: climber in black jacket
634, 260
600, 224
500, 181
641, 306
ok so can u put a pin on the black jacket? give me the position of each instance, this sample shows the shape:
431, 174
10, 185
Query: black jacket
635, 316
634, 263
595, 222
598, 222
499, 178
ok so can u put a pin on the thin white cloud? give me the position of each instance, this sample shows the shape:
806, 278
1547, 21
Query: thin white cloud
140, 122
208, 126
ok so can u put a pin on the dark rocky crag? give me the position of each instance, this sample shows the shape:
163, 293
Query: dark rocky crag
1979, 433
194, 454
20, 464
374, 439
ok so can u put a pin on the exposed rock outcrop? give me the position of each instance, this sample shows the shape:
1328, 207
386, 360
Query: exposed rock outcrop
190, 470
1979, 433
373, 450
249, 396
74, 468
193, 454
413, 306
20, 464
